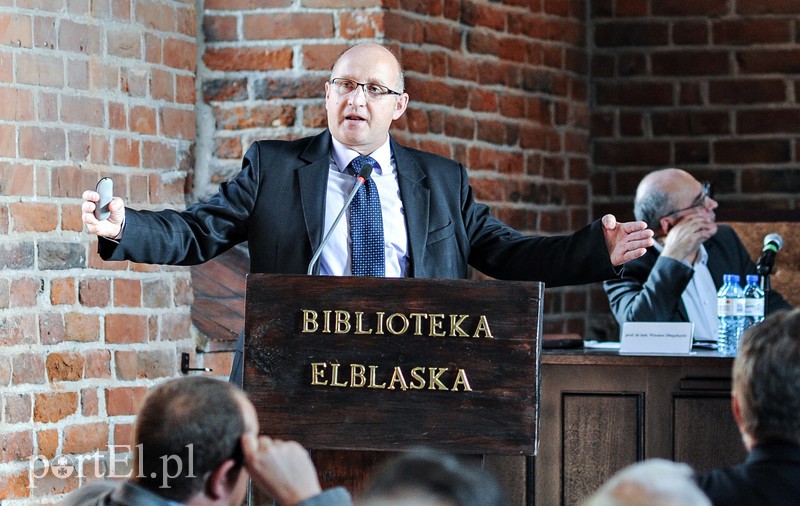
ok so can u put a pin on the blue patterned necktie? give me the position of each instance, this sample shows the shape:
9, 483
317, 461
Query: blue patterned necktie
366, 225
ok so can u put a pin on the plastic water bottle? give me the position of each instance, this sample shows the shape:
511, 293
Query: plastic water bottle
730, 311
753, 301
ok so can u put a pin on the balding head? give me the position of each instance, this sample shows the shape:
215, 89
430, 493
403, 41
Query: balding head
358, 119
376, 53
656, 194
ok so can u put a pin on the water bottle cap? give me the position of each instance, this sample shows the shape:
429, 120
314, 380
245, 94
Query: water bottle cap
730, 278
752, 278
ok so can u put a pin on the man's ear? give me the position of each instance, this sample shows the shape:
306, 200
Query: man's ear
400, 106
736, 407
666, 226
222, 480
737, 410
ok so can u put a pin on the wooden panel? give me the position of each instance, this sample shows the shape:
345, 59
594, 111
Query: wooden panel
515, 475
601, 434
299, 370
705, 433
219, 295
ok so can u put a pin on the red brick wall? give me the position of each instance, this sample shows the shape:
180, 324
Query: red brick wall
87, 89
500, 87
712, 87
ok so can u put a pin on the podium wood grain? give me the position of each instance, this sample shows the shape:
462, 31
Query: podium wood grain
497, 416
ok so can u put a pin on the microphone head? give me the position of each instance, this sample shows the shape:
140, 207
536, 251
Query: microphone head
366, 171
774, 239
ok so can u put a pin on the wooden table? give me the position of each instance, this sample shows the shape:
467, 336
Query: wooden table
600, 411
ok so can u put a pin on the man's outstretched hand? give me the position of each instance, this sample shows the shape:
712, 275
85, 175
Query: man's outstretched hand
111, 227
626, 241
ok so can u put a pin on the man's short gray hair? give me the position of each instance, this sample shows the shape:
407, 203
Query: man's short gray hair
655, 482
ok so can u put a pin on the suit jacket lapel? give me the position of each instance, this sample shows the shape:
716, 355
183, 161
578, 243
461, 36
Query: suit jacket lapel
416, 202
714, 267
313, 181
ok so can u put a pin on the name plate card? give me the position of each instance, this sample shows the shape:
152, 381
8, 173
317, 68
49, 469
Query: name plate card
385, 364
656, 338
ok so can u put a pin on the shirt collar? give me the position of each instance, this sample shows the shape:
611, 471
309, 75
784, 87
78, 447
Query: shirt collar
342, 156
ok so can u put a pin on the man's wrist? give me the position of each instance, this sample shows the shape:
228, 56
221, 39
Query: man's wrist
117, 238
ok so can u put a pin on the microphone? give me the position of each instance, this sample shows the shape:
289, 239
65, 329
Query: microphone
772, 245
773, 242
366, 172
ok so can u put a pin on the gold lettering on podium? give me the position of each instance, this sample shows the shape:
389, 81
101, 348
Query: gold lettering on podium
341, 322
331, 374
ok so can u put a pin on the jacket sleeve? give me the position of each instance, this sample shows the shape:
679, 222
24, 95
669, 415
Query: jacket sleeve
644, 294
337, 496
195, 235
502, 252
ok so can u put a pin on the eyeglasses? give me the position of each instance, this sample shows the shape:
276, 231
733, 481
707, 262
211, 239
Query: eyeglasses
700, 201
371, 90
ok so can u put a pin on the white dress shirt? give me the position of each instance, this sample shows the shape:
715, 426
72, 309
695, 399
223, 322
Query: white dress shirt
700, 297
336, 257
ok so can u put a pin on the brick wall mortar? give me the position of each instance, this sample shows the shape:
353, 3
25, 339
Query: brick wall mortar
86, 94
753, 96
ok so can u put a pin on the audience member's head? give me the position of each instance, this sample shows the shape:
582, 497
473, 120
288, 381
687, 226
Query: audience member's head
653, 482
766, 380
188, 434
423, 477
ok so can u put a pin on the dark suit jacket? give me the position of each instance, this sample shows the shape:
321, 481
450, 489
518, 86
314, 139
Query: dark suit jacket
277, 204
769, 476
650, 288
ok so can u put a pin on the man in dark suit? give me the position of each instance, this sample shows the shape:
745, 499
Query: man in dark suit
677, 280
766, 406
288, 193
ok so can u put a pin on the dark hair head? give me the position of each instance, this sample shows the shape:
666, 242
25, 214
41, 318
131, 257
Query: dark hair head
185, 429
766, 378
438, 478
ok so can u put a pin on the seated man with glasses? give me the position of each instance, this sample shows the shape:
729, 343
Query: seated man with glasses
678, 278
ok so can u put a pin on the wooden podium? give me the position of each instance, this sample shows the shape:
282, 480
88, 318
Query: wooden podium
354, 368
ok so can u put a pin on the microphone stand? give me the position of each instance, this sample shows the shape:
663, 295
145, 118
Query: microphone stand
764, 269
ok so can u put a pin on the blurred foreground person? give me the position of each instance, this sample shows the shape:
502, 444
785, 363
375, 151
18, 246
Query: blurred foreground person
424, 477
766, 406
653, 482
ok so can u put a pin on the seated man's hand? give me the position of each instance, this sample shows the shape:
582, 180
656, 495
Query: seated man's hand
683, 240
283, 469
